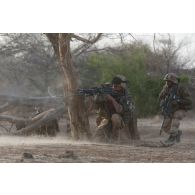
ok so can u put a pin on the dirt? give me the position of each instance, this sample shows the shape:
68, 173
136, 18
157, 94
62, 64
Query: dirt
61, 149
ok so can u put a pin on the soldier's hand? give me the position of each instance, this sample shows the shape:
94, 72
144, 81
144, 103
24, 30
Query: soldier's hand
109, 98
161, 103
174, 103
99, 98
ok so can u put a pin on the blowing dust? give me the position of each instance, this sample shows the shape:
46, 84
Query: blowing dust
148, 128
6, 140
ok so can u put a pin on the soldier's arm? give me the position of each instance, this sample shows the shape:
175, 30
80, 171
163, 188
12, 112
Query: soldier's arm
163, 93
117, 106
90, 104
185, 98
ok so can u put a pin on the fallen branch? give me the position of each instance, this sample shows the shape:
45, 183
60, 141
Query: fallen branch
14, 119
5, 107
41, 120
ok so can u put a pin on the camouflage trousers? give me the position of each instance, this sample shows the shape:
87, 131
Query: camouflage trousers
112, 129
172, 124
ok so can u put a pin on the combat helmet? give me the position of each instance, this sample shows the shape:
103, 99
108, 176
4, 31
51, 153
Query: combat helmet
120, 79
171, 77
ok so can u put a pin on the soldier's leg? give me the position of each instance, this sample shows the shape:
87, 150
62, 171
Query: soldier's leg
98, 120
117, 124
177, 117
101, 133
166, 125
175, 133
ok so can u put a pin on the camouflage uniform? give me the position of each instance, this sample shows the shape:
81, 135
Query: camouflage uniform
112, 126
178, 106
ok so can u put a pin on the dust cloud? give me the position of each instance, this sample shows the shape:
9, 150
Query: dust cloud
63, 149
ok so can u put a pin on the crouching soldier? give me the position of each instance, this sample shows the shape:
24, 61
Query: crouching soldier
116, 120
175, 101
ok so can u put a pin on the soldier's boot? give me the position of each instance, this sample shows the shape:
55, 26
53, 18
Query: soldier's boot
178, 137
172, 138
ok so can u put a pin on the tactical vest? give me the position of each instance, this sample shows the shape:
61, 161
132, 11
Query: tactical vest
104, 109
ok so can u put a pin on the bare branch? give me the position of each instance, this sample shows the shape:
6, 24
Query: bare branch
14, 119
4, 107
122, 38
132, 36
92, 41
81, 49
154, 43
85, 46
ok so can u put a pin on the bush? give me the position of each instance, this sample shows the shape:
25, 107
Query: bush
130, 62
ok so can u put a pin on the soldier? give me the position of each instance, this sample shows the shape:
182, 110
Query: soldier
175, 101
115, 113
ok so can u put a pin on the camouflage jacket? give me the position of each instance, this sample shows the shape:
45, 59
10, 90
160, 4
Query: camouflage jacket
182, 97
106, 109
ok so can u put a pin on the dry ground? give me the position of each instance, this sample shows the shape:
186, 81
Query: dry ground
61, 149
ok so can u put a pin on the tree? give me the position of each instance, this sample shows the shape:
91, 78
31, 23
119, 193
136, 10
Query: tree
28, 66
76, 109
168, 53
130, 61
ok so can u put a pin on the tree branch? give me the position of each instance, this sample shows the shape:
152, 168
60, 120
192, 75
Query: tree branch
154, 43
132, 36
92, 41
40, 120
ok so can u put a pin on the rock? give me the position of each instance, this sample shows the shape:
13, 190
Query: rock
68, 154
27, 155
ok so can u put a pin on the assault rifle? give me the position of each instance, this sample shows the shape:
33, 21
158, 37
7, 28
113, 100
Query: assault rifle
105, 89
166, 105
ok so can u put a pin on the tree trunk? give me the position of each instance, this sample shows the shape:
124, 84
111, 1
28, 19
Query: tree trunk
79, 122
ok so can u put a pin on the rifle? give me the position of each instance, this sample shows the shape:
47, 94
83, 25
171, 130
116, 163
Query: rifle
105, 89
166, 105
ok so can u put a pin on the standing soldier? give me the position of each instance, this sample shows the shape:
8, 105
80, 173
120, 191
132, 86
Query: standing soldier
175, 100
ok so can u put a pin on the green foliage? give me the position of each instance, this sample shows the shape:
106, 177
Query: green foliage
130, 62
184, 79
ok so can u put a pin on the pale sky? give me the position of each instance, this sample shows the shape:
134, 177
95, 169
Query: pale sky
188, 50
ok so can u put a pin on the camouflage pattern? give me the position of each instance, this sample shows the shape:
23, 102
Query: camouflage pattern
121, 78
112, 125
171, 77
172, 124
185, 102
178, 107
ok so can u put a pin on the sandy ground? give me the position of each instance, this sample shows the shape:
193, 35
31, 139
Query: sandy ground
63, 150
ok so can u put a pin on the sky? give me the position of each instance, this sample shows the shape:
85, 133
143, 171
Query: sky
188, 39
187, 51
